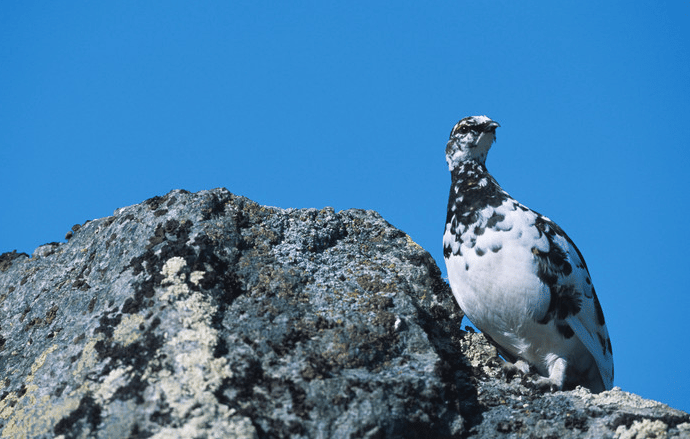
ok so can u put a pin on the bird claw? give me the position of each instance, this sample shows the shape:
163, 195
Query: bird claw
529, 377
545, 385
511, 369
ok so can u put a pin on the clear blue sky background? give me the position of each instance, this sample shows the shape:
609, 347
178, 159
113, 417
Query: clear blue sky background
349, 104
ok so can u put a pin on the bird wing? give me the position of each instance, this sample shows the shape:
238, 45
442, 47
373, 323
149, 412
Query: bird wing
585, 317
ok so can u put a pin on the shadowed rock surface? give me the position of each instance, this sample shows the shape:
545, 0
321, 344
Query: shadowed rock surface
208, 315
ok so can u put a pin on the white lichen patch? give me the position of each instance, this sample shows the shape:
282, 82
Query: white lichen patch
237, 427
173, 277
684, 428
192, 373
196, 276
642, 430
478, 352
127, 331
113, 381
618, 397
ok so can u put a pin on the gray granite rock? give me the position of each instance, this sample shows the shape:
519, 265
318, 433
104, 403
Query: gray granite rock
512, 407
209, 316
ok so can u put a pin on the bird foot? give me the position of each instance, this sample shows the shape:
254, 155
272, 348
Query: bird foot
530, 378
511, 369
544, 385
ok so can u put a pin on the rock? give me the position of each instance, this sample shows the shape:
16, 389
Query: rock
513, 408
208, 315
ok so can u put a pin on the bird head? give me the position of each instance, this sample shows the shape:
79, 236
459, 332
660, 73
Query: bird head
470, 140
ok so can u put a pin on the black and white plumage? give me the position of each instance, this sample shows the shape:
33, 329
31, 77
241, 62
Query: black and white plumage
517, 276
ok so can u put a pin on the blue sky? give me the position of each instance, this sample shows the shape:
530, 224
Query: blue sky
349, 104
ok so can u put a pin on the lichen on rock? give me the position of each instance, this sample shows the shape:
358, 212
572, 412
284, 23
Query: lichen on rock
208, 315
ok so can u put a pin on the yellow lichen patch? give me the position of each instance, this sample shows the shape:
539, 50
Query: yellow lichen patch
38, 419
29, 415
7, 405
187, 381
31, 388
39, 362
412, 243
89, 356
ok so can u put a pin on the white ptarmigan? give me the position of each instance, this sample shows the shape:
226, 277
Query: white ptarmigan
517, 276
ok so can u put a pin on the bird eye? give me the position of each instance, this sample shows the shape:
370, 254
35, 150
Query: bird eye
462, 129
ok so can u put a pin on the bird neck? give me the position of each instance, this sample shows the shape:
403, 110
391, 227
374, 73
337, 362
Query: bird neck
472, 189
469, 172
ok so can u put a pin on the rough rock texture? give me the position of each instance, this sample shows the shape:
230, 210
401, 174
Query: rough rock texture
208, 315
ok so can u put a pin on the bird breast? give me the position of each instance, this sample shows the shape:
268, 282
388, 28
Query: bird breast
492, 271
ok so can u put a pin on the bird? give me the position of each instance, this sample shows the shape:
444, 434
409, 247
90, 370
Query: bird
518, 277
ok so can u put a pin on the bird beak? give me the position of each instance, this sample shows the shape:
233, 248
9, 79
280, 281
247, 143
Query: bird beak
491, 126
